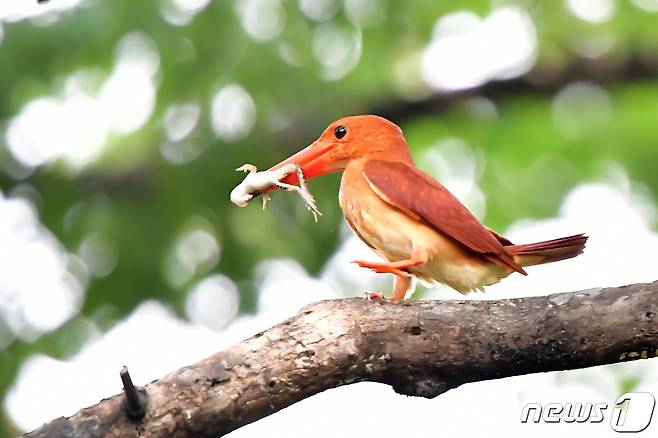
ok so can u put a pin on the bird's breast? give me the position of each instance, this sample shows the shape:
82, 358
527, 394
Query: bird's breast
386, 229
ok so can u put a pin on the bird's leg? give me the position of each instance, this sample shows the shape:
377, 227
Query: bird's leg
404, 281
401, 287
397, 268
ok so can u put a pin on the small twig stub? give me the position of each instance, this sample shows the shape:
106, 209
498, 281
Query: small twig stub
135, 397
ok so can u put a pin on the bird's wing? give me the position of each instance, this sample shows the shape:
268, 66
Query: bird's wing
421, 197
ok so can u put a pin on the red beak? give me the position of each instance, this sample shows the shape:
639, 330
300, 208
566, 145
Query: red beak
314, 161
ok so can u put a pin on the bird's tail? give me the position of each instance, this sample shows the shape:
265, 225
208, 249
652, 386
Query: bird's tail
548, 251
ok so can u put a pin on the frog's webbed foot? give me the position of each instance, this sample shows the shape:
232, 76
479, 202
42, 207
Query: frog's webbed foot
310, 203
247, 168
302, 190
306, 195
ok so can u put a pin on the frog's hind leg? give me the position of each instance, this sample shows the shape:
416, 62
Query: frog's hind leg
306, 196
266, 199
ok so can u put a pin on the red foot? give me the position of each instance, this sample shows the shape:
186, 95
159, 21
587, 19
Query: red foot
372, 296
396, 268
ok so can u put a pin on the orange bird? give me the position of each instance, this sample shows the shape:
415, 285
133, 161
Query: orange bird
409, 218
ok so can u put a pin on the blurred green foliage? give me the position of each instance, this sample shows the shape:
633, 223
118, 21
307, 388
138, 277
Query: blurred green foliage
142, 203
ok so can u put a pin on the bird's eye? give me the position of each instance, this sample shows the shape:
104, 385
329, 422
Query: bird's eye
340, 132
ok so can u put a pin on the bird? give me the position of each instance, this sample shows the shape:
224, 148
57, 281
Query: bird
420, 229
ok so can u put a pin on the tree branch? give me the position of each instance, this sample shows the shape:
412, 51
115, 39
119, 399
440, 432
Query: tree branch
420, 348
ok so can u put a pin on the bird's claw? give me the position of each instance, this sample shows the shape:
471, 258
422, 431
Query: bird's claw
374, 296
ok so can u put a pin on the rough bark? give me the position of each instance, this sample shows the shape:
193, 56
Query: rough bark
420, 348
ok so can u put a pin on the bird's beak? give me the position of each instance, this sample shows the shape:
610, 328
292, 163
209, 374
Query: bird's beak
314, 161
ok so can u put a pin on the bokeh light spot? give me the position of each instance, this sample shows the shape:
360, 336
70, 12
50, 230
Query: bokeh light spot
181, 12
233, 113
213, 302
319, 10
365, 12
128, 95
594, 11
30, 303
581, 107
75, 125
180, 119
16, 10
196, 251
262, 20
646, 5
467, 51
99, 254
337, 49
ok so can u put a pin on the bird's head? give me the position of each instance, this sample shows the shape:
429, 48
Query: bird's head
348, 139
